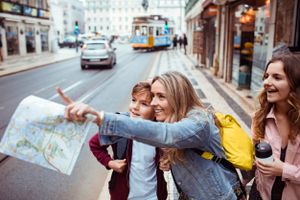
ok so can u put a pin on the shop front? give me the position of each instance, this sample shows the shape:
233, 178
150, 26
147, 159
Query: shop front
249, 25
12, 39
30, 39
44, 31
209, 25
25, 27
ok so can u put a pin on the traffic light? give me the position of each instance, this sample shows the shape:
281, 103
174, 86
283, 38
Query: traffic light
76, 25
76, 28
166, 25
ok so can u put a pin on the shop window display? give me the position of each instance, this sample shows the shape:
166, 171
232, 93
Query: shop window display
30, 39
261, 36
44, 39
244, 19
12, 40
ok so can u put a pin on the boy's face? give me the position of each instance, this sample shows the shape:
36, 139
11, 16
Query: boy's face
140, 107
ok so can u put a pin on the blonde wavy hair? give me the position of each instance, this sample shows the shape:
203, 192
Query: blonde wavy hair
291, 66
181, 97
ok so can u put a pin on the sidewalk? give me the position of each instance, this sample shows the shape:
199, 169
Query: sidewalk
22, 63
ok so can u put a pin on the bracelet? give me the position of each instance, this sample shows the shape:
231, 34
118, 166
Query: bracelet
100, 118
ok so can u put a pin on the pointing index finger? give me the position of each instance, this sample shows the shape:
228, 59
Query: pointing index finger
67, 100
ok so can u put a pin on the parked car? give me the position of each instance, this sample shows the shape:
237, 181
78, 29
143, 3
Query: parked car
98, 53
70, 41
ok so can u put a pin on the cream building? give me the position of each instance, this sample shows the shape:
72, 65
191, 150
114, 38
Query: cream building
26, 27
114, 17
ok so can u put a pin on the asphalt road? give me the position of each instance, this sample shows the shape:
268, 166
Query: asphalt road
106, 89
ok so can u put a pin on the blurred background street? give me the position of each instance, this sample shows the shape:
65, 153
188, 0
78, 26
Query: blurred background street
97, 50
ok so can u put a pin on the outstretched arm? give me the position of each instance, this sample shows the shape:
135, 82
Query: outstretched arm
192, 132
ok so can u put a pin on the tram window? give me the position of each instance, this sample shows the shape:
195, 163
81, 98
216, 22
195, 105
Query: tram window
137, 30
150, 30
144, 30
159, 31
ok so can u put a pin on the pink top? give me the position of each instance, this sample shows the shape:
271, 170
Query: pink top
291, 166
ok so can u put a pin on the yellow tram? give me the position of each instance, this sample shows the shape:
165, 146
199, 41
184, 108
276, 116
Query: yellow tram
152, 32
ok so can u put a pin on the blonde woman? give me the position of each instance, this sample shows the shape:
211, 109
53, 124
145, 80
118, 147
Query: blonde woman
182, 124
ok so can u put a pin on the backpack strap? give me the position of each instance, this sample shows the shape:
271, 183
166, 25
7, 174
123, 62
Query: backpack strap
209, 156
228, 165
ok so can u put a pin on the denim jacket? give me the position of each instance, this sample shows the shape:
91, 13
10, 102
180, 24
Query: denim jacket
198, 178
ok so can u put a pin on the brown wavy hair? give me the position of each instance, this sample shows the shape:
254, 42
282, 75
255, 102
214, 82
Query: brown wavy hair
291, 66
182, 98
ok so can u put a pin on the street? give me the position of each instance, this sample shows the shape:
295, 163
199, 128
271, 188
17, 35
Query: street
107, 89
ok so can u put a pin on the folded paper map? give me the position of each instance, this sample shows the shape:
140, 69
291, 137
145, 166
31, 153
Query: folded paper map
39, 133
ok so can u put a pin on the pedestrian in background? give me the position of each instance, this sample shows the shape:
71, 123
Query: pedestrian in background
277, 122
183, 123
1, 45
175, 42
185, 43
180, 42
135, 165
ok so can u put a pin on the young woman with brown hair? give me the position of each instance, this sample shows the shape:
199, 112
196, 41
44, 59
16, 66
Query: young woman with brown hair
277, 122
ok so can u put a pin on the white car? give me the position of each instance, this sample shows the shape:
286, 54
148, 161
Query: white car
98, 53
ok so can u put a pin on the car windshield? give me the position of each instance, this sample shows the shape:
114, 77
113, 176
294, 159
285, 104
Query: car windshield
95, 46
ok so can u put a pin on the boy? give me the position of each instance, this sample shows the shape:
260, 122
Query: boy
136, 173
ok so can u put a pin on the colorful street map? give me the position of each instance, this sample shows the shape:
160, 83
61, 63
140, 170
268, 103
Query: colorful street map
39, 133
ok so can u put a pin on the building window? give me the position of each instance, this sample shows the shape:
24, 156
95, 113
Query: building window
44, 39
12, 40
30, 39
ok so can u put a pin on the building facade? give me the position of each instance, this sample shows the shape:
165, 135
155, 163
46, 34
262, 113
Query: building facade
236, 38
25, 27
64, 14
114, 17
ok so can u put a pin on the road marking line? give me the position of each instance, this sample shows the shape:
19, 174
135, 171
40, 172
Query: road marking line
67, 89
53, 85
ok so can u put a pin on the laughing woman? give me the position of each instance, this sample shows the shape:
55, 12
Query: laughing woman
182, 124
278, 123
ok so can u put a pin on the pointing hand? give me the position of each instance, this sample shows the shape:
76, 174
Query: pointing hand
76, 111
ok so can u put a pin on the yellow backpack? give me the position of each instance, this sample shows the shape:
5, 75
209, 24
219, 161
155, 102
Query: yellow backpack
237, 144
